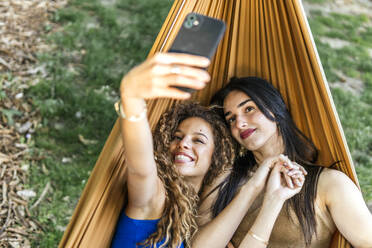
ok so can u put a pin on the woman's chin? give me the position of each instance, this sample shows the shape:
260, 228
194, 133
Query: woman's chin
251, 146
185, 168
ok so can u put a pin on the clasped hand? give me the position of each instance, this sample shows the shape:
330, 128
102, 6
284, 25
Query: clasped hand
281, 177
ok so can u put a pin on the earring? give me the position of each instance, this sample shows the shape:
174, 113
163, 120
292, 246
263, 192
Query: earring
242, 151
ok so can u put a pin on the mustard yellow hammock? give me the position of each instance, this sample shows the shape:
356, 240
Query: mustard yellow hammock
265, 38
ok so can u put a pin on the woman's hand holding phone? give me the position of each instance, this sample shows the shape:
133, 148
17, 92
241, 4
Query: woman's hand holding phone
198, 35
156, 76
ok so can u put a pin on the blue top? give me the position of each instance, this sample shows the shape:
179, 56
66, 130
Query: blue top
130, 231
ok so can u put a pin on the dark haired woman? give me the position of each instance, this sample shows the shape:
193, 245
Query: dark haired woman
191, 146
259, 120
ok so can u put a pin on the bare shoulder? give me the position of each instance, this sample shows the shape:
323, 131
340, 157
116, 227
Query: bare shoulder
333, 178
208, 198
333, 183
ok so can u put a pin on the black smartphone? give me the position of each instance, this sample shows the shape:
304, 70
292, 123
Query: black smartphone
199, 35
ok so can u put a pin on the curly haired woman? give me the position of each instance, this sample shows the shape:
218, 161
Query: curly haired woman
166, 171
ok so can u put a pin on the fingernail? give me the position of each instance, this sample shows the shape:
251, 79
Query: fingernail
206, 77
205, 61
201, 84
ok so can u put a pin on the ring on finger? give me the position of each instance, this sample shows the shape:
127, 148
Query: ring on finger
175, 69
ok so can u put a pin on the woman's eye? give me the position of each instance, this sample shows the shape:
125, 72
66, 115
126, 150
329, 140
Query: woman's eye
231, 120
177, 137
199, 141
248, 109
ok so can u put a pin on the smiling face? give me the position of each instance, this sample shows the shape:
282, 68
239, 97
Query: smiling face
192, 147
248, 125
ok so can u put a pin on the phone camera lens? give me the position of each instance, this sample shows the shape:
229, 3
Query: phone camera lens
188, 24
191, 17
191, 21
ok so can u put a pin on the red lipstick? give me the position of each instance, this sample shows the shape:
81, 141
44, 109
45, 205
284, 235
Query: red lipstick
246, 133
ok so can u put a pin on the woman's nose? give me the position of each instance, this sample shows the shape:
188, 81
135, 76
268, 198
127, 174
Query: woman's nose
184, 143
240, 122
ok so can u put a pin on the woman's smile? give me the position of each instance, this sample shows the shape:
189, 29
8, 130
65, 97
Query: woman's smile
182, 158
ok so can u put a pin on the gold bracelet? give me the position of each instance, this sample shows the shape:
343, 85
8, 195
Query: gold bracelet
134, 118
258, 238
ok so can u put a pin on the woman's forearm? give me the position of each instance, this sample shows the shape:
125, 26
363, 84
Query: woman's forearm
137, 137
219, 231
262, 227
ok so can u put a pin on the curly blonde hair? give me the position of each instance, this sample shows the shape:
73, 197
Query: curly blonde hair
178, 222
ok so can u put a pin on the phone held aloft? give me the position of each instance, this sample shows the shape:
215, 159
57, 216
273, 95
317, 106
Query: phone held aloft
199, 35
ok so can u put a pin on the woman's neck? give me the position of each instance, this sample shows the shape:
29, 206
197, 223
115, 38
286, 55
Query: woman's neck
195, 182
273, 147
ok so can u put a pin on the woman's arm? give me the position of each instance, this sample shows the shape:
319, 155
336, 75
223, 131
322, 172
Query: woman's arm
277, 192
143, 182
260, 232
219, 231
149, 80
347, 207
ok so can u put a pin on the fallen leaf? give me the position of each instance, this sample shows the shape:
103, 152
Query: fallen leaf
86, 141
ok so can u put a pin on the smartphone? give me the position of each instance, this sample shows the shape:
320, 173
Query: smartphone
199, 35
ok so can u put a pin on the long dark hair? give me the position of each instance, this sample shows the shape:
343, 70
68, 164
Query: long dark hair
297, 147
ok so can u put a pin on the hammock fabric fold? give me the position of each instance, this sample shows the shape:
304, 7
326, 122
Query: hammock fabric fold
265, 38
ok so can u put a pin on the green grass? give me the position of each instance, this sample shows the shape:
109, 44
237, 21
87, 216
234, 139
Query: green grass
97, 45
317, 1
353, 60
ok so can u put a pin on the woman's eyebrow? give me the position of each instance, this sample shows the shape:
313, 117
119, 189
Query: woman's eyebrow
239, 105
202, 134
243, 102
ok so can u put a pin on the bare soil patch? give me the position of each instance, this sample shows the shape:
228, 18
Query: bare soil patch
22, 28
